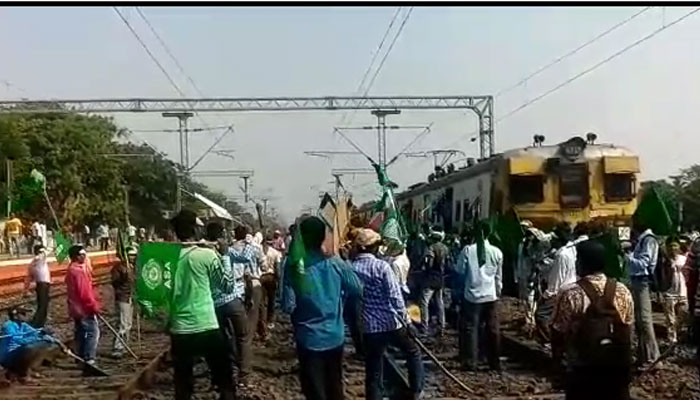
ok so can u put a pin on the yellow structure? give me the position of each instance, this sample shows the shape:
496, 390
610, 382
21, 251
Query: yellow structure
573, 181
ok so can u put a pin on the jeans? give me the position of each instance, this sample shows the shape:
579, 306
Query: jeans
87, 336
375, 346
426, 295
600, 383
647, 347
475, 316
42, 304
210, 345
352, 315
321, 373
234, 328
267, 303
126, 312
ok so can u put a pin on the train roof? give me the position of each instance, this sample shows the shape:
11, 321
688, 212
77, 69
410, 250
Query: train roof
590, 151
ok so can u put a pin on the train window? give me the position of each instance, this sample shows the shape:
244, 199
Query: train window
458, 211
526, 189
619, 187
573, 185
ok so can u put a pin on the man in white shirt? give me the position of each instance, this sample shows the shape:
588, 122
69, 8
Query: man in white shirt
269, 277
482, 289
39, 273
400, 264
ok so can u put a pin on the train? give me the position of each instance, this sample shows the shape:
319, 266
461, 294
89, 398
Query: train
572, 181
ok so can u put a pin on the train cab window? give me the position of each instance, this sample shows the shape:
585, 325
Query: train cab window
619, 187
573, 185
526, 189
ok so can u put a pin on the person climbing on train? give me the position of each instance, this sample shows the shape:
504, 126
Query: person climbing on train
193, 326
22, 347
83, 306
315, 297
385, 319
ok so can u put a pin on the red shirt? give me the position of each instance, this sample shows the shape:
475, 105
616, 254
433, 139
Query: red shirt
82, 301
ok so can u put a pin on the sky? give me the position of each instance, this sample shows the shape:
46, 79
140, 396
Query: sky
645, 99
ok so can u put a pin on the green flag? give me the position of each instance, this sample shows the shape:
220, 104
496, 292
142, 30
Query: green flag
652, 213
296, 262
613, 265
509, 231
62, 245
27, 190
155, 267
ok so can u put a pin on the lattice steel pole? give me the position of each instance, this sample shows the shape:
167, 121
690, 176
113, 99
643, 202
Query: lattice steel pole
184, 152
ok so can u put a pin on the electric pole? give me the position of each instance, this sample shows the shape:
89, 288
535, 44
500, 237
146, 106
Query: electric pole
182, 118
381, 134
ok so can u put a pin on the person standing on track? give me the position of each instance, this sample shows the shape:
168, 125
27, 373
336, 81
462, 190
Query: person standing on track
268, 280
83, 306
316, 299
122, 275
434, 262
38, 272
193, 326
383, 305
230, 305
14, 231
246, 244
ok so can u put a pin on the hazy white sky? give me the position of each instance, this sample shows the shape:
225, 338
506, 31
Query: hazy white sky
646, 99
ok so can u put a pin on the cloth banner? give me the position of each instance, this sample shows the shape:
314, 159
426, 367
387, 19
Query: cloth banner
155, 267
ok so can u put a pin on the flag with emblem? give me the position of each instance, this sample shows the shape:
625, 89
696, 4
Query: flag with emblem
155, 267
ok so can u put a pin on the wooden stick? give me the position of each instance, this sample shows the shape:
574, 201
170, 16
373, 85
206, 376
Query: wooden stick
442, 367
121, 340
138, 326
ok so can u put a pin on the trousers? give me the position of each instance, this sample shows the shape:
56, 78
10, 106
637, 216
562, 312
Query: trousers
42, 304
647, 347
254, 312
598, 383
478, 318
126, 311
321, 373
375, 346
207, 344
25, 358
426, 295
268, 282
87, 336
233, 325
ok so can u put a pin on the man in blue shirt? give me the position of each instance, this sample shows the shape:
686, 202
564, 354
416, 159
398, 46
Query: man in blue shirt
23, 347
385, 320
229, 305
641, 265
482, 289
319, 293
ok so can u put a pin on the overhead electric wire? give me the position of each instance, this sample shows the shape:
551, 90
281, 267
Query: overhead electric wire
168, 52
572, 52
587, 70
148, 51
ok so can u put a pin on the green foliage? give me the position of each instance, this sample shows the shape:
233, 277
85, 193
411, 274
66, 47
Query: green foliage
84, 180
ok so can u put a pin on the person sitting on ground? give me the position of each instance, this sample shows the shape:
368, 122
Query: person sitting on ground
385, 319
315, 297
83, 306
592, 322
22, 348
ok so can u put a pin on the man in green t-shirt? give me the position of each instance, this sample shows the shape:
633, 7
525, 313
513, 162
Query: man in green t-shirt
194, 330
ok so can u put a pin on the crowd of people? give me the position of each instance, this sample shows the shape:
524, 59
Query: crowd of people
391, 295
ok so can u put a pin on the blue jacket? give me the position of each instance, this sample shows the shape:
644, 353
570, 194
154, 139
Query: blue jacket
317, 304
20, 334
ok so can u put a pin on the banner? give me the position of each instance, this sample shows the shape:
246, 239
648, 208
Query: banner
62, 245
155, 267
652, 213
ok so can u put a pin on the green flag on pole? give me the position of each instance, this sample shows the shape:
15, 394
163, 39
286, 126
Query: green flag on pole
62, 245
155, 267
652, 213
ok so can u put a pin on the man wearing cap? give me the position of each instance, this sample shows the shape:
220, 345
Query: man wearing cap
386, 321
123, 282
436, 257
83, 306
22, 347
194, 329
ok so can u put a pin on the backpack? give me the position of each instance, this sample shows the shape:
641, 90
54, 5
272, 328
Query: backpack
663, 274
602, 339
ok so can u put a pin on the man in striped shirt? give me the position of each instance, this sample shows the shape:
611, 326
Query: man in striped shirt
385, 318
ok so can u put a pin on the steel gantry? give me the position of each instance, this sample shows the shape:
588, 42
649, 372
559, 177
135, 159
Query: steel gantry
482, 106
